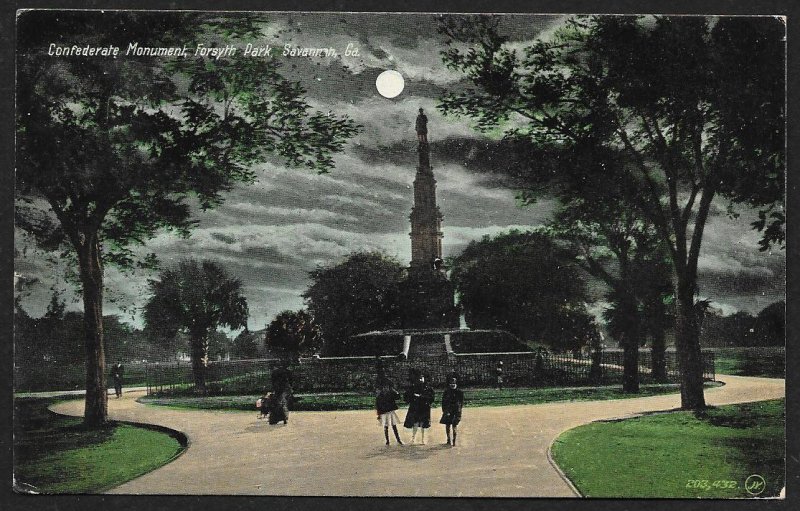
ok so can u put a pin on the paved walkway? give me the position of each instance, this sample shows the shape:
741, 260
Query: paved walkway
502, 451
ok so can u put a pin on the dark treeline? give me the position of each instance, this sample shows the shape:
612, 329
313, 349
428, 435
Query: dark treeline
767, 328
56, 338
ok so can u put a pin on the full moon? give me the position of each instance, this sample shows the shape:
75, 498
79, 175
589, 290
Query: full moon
390, 84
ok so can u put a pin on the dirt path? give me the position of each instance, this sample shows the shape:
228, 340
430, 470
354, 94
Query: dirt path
502, 451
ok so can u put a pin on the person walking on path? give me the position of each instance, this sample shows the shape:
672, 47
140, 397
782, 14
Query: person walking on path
452, 403
278, 408
419, 397
281, 394
386, 406
116, 375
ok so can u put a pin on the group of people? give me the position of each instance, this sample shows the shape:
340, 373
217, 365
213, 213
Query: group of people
420, 397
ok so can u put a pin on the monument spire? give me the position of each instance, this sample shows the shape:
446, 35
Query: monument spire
426, 219
428, 296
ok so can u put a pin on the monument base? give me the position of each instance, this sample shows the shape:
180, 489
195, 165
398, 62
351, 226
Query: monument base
427, 301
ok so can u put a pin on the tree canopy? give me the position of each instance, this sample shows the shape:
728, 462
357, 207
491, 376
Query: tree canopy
524, 283
360, 294
683, 108
111, 151
294, 334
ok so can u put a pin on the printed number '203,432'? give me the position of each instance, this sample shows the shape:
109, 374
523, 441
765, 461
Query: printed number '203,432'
705, 484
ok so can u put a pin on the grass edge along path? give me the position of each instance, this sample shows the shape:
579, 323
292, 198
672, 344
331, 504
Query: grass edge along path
678, 454
473, 398
56, 454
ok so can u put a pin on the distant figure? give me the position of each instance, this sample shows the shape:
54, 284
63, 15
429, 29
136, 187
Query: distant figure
419, 397
281, 394
539, 362
499, 375
116, 375
380, 371
422, 127
386, 406
437, 263
452, 403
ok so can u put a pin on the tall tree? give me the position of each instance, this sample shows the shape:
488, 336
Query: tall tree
521, 282
196, 299
112, 150
695, 105
617, 245
360, 294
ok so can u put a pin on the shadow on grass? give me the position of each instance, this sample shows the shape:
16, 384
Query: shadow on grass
57, 454
749, 415
755, 449
38, 431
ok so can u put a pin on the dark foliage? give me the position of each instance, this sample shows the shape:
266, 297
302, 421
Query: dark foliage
522, 282
360, 294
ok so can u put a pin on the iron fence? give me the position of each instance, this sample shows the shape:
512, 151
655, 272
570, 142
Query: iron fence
338, 374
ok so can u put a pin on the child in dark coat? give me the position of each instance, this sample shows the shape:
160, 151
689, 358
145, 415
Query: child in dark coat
385, 405
452, 403
419, 398
263, 404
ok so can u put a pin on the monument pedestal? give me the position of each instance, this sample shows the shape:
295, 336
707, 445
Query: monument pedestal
428, 301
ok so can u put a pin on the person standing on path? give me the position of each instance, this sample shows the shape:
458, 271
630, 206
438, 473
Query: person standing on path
499, 375
419, 397
386, 406
452, 403
116, 375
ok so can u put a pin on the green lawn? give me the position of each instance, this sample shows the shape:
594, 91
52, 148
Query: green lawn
55, 454
472, 397
744, 363
678, 454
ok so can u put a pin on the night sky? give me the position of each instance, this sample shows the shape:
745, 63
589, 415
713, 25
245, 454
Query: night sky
272, 233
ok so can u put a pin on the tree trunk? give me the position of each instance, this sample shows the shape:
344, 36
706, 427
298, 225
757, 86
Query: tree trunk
630, 344
199, 361
687, 344
659, 355
91, 273
630, 370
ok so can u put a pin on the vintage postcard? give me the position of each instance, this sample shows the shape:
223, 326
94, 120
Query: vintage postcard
396, 254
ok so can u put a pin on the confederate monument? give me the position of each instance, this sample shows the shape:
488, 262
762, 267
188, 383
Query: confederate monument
428, 299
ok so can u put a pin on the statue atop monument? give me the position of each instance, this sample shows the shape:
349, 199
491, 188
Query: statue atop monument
422, 127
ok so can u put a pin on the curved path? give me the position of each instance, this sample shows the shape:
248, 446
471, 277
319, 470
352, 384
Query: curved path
502, 451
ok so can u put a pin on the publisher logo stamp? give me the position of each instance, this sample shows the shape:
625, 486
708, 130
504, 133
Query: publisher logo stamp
755, 485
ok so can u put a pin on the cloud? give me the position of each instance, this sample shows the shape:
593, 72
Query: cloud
731, 269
